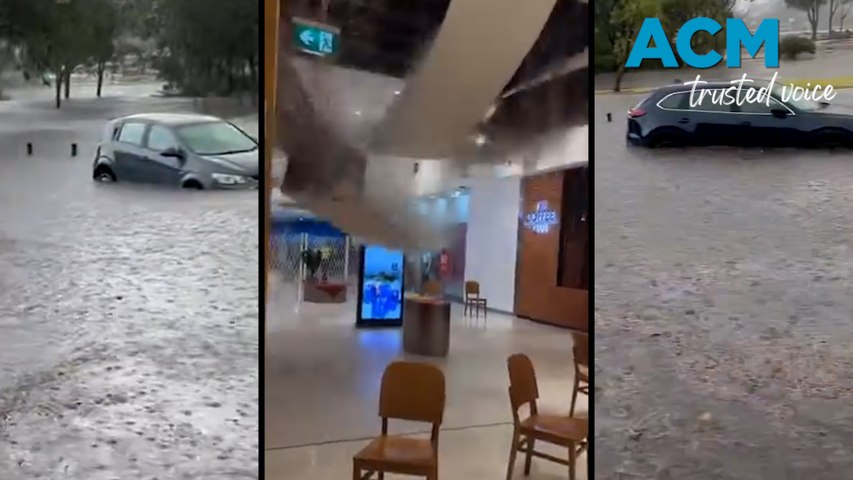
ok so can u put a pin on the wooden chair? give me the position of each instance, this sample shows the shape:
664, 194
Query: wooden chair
562, 431
433, 288
580, 351
410, 391
473, 299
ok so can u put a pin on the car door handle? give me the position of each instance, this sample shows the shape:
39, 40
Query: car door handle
746, 124
684, 120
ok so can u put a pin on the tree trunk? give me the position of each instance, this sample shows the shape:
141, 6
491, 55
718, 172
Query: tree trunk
231, 78
619, 74
58, 81
67, 84
254, 86
813, 18
101, 67
832, 8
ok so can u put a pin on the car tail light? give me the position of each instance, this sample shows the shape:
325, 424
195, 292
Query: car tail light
636, 112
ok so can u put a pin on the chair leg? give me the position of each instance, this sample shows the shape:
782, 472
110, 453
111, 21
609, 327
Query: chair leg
381, 475
531, 443
356, 472
574, 397
465, 308
512, 452
572, 459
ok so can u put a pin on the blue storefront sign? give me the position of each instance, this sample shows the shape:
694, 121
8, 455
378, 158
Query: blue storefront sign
541, 219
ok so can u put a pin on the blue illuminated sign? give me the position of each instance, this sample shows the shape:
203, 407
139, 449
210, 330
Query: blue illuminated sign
541, 219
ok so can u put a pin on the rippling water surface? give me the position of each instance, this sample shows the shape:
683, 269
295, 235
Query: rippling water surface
723, 296
128, 314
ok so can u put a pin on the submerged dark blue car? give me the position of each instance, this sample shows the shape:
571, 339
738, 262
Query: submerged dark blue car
666, 118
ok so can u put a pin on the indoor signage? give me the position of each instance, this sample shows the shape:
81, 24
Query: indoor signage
381, 286
541, 219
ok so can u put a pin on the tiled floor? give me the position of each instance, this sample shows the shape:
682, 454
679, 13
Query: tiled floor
322, 385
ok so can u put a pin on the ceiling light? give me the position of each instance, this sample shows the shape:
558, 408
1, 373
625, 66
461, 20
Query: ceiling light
480, 140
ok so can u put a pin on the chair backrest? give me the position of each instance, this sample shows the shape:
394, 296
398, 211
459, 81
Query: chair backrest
523, 388
580, 348
472, 288
412, 391
433, 288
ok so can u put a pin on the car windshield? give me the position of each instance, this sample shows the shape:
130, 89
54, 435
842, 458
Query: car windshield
215, 138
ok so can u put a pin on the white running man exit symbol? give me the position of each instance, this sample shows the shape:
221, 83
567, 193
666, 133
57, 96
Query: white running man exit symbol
326, 40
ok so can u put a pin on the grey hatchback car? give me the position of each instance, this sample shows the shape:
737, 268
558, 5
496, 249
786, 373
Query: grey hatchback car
182, 150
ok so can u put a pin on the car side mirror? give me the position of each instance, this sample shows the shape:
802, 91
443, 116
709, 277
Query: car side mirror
173, 152
779, 113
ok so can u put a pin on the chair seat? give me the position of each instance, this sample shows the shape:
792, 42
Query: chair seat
392, 450
583, 373
556, 429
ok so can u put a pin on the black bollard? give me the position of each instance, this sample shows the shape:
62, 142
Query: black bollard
609, 117
73, 149
29, 148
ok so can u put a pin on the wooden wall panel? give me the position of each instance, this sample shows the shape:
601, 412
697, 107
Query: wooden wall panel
537, 294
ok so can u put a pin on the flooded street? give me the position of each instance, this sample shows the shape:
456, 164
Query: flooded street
724, 343
128, 314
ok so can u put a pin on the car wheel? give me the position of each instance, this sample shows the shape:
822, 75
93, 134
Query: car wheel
832, 143
104, 175
667, 140
192, 185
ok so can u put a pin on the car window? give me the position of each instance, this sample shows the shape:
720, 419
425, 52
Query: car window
712, 103
215, 138
676, 101
161, 138
762, 107
132, 133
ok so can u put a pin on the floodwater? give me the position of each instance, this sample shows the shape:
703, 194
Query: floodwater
724, 298
128, 314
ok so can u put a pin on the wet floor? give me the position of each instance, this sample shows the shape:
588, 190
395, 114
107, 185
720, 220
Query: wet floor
128, 315
723, 310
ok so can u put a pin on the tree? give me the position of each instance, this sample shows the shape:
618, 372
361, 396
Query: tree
675, 13
833, 8
812, 9
53, 36
845, 11
626, 18
104, 32
207, 46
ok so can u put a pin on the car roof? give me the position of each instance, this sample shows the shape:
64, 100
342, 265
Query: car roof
170, 118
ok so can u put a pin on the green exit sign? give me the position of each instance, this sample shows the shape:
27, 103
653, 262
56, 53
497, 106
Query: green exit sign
315, 38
